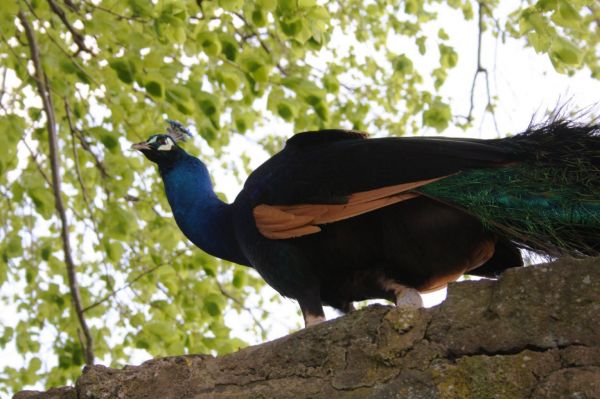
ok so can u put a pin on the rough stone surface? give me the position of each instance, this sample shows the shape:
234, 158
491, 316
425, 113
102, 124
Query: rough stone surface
534, 333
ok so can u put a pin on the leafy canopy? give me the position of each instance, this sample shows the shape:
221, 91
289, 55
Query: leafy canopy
115, 70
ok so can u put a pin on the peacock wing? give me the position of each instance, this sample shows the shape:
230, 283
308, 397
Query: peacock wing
327, 176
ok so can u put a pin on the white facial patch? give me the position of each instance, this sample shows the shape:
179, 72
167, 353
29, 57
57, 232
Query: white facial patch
152, 140
167, 146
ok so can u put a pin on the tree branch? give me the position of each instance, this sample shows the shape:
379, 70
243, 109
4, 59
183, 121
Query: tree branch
46, 97
77, 37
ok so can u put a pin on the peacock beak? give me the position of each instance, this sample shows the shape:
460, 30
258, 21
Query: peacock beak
141, 146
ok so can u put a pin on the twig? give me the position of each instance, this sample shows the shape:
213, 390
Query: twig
46, 96
12, 50
72, 7
262, 43
3, 89
65, 52
127, 285
76, 159
99, 164
240, 304
111, 12
199, 3
323, 73
135, 279
77, 37
34, 156
84, 192
481, 70
4, 194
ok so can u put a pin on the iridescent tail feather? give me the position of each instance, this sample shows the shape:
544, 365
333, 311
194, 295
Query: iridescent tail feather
548, 201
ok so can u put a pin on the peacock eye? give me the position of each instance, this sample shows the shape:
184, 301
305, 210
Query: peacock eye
164, 144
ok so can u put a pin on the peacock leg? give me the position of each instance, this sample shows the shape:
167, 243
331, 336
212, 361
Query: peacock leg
312, 310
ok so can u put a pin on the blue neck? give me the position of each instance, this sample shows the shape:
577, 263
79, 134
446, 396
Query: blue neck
199, 213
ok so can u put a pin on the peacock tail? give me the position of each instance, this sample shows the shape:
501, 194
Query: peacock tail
547, 201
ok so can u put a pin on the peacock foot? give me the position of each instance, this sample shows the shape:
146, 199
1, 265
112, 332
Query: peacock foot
311, 320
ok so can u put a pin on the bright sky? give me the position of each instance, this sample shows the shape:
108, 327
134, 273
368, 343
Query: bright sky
525, 83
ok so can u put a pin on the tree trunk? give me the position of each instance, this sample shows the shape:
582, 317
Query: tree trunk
534, 333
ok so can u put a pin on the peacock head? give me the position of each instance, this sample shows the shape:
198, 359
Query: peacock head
163, 148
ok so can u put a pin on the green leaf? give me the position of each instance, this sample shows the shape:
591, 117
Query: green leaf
540, 43
114, 250
11, 130
421, 41
212, 304
116, 221
231, 5
306, 3
568, 12
141, 8
258, 17
287, 6
13, 247
162, 330
564, 52
180, 97
442, 34
244, 120
546, 5
40, 194
209, 104
286, 110
124, 69
448, 56
229, 46
331, 83
211, 45
437, 116
268, 5
153, 83
239, 279
7, 336
230, 79
292, 27
403, 65
34, 365
109, 138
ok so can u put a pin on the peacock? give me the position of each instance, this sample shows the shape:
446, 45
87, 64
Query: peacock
336, 217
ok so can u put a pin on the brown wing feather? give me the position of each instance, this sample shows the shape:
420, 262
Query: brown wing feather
279, 222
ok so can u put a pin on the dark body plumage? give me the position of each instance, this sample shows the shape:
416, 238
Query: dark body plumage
468, 207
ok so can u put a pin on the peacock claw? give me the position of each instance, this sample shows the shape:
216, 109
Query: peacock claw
408, 298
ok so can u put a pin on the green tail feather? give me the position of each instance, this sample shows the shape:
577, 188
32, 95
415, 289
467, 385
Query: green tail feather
549, 202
